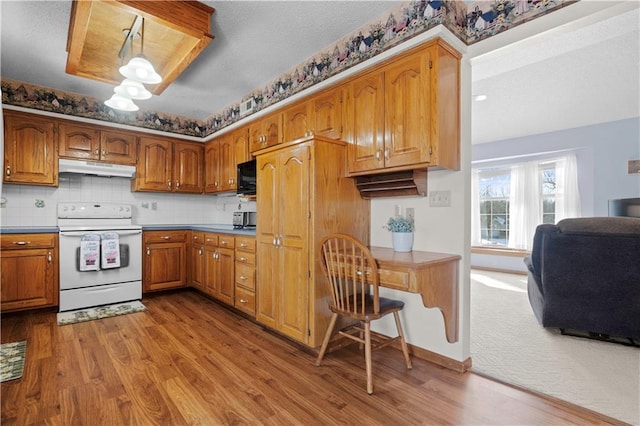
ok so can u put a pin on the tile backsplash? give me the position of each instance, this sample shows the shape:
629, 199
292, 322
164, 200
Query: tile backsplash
27, 205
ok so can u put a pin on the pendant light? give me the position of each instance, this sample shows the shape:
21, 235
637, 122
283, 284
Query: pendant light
120, 102
132, 89
139, 68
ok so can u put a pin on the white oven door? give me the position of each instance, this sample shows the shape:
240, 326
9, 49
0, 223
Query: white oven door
130, 269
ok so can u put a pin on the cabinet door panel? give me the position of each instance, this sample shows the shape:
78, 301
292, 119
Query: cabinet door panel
29, 150
293, 196
327, 114
407, 103
197, 266
27, 278
153, 172
210, 272
365, 129
187, 173
226, 283
164, 266
297, 121
293, 291
268, 282
212, 161
118, 147
82, 142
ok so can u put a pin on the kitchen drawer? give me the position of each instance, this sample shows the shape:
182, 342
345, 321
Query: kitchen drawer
394, 279
248, 258
197, 237
164, 236
246, 244
210, 239
246, 276
24, 241
227, 241
245, 300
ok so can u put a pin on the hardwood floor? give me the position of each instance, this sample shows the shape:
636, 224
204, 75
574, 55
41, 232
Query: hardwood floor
188, 360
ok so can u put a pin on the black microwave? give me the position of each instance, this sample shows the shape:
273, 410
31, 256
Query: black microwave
247, 178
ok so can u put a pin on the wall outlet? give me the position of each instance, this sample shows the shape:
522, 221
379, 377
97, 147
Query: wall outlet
154, 206
144, 205
439, 198
634, 167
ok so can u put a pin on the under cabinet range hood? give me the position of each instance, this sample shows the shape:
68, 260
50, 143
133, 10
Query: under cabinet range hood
96, 169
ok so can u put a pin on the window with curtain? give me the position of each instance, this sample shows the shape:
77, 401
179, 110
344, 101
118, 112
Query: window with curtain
511, 200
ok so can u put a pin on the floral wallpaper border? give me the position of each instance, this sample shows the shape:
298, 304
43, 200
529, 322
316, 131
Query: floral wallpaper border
470, 21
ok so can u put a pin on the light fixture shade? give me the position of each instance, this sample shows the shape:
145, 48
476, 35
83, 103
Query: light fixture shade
140, 69
120, 102
132, 89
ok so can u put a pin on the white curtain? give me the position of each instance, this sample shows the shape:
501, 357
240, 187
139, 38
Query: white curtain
524, 205
476, 233
567, 193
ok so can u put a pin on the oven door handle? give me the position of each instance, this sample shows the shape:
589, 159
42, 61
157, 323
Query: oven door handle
83, 233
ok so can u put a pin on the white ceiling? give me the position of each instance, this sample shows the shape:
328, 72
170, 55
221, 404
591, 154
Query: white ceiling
580, 73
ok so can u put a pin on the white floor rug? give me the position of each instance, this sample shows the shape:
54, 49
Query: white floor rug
507, 343
89, 314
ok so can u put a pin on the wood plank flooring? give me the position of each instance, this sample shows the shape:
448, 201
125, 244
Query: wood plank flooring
190, 361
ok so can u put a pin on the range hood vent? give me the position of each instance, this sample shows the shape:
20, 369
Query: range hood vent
397, 184
96, 169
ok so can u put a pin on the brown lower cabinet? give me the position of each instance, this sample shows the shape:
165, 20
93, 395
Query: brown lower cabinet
29, 274
164, 260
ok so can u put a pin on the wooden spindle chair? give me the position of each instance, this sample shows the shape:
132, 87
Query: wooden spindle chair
352, 275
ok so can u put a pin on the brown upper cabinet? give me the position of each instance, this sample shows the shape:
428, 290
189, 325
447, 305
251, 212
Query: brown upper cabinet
87, 142
319, 115
222, 157
169, 166
29, 149
405, 114
265, 132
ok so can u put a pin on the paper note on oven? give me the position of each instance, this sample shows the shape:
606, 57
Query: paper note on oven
90, 252
110, 250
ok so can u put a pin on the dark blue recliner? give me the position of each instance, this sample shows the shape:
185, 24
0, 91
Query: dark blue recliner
584, 276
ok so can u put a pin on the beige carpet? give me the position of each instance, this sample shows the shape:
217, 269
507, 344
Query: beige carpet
507, 343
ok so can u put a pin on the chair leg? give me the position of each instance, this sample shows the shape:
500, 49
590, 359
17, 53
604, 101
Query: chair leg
403, 343
367, 356
327, 337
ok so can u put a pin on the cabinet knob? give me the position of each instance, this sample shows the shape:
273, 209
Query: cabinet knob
177, 184
166, 237
243, 245
148, 251
378, 155
244, 301
386, 153
169, 184
49, 257
243, 278
200, 252
97, 151
215, 183
21, 243
8, 171
242, 259
104, 152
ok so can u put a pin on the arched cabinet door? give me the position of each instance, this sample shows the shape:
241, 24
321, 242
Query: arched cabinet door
29, 150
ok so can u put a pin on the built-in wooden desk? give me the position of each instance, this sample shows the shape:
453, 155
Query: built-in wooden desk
433, 275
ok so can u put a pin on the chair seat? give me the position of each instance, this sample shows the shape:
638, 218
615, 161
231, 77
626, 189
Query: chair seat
386, 307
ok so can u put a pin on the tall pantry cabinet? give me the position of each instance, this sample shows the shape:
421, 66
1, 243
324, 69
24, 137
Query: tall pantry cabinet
303, 196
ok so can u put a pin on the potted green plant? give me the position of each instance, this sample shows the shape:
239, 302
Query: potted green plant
401, 233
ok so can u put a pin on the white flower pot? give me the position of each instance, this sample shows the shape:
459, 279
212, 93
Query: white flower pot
402, 241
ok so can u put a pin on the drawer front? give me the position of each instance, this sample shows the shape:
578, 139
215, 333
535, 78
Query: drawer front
226, 241
244, 257
246, 244
246, 276
24, 241
245, 300
164, 236
394, 279
197, 237
210, 239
